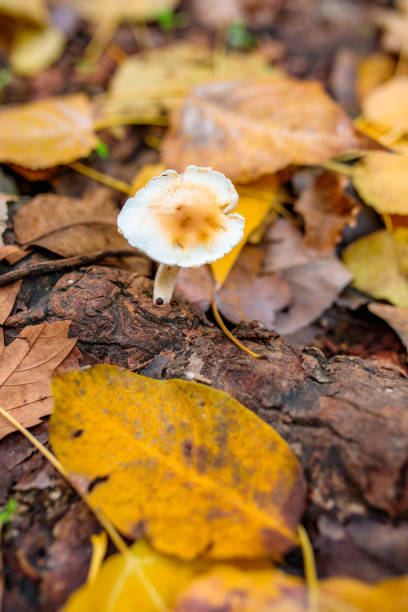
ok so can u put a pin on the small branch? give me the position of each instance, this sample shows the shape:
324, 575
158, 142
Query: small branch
57, 265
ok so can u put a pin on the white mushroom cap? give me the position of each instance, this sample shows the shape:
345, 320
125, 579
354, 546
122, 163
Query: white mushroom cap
183, 219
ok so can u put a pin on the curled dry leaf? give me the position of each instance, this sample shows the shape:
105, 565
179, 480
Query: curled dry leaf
379, 264
46, 133
247, 129
157, 80
228, 588
118, 586
131, 10
70, 226
397, 318
34, 11
326, 210
186, 471
26, 365
35, 50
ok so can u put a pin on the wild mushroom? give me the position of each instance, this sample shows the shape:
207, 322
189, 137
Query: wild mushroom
182, 220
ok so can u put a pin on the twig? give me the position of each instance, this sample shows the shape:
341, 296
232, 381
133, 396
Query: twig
227, 332
57, 265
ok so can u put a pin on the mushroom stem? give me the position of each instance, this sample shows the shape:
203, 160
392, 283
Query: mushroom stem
164, 282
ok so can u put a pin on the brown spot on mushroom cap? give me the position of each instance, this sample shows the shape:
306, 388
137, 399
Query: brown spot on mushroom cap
191, 223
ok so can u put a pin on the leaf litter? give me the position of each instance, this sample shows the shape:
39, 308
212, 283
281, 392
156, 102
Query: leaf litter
255, 123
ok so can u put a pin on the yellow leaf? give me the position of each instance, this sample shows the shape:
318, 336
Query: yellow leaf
381, 180
34, 50
30, 10
255, 201
118, 587
372, 71
46, 133
158, 80
387, 105
178, 461
228, 588
246, 130
117, 10
379, 264
144, 175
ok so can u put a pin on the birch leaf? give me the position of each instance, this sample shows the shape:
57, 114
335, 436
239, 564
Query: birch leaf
46, 133
178, 461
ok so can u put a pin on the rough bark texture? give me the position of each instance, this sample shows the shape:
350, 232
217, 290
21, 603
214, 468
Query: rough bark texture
345, 418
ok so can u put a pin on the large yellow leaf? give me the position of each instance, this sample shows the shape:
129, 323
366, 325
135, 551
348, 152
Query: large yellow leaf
187, 465
379, 264
381, 181
116, 10
227, 588
387, 104
30, 10
248, 129
34, 50
157, 80
119, 588
47, 132
255, 201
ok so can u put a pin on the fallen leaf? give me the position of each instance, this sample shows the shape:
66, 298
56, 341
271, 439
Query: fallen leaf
248, 129
247, 295
30, 10
195, 284
255, 13
12, 253
178, 461
35, 50
26, 365
372, 71
118, 586
119, 10
379, 265
397, 318
387, 105
326, 210
381, 181
395, 26
157, 80
227, 588
144, 175
70, 226
46, 133
314, 279
255, 201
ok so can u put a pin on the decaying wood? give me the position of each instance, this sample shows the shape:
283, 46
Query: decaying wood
345, 418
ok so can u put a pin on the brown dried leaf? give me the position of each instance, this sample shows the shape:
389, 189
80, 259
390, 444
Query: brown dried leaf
257, 13
26, 366
70, 226
247, 129
314, 280
194, 284
46, 133
247, 295
396, 317
326, 210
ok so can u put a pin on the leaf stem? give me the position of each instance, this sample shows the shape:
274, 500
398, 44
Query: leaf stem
227, 332
101, 178
310, 569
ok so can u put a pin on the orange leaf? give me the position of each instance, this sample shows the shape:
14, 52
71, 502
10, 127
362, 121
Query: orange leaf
26, 366
249, 129
48, 132
178, 461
